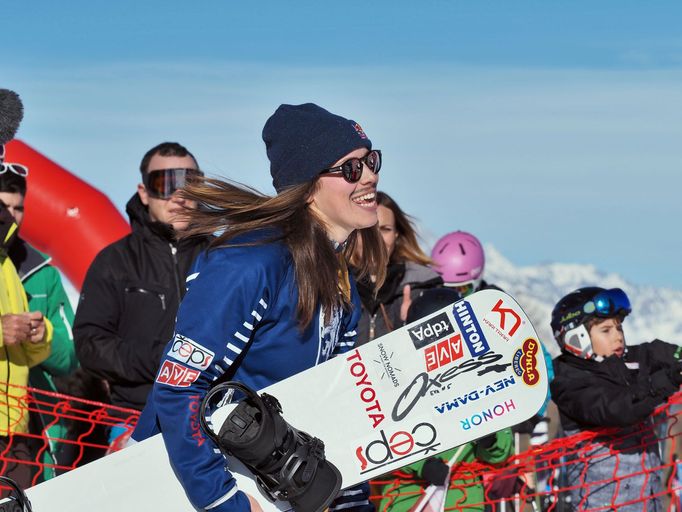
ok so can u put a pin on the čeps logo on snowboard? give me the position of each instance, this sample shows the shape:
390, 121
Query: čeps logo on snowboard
444, 352
433, 329
397, 446
471, 330
525, 362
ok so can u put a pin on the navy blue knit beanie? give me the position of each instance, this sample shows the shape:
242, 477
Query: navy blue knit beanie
302, 140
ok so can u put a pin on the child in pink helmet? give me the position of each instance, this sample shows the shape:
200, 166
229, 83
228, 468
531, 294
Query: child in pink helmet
459, 259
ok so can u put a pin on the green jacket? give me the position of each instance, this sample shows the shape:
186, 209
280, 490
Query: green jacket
464, 493
45, 293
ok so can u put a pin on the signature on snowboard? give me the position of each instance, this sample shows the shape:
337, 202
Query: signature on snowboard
422, 384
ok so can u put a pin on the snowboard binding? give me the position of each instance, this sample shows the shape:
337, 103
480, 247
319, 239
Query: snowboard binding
17, 500
289, 464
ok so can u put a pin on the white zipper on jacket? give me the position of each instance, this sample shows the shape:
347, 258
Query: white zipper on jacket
66, 322
174, 252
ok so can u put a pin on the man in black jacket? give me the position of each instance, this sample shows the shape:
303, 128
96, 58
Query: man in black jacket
132, 290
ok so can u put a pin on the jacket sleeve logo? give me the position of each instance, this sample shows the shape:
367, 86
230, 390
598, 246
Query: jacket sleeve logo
176, 375
189, 352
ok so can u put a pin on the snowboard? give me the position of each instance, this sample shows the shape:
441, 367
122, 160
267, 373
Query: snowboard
466, 371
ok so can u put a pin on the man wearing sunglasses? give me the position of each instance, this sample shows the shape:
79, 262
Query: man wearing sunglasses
133, 288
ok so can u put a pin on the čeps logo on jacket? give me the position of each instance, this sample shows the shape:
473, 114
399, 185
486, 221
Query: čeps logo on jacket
190, 352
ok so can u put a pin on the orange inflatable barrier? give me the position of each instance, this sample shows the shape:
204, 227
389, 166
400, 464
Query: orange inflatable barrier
65, 217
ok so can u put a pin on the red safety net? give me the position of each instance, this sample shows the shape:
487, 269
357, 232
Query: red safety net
64, 432
558, 475
631, 469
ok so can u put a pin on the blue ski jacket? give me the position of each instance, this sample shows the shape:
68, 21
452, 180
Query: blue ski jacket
239, 298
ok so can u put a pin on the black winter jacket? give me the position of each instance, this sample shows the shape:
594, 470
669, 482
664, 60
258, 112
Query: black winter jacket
622, 394
616, 392
126, 313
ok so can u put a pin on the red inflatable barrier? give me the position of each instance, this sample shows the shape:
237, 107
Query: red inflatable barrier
65, 217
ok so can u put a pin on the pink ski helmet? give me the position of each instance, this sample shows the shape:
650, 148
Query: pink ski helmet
458, 257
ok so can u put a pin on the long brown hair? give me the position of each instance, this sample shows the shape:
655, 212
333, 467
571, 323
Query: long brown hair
406, 245
232, 209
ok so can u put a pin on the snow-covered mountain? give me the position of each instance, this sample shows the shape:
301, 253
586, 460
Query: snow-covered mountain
656, 312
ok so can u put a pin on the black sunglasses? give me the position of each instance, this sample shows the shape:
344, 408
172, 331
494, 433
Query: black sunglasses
351, 169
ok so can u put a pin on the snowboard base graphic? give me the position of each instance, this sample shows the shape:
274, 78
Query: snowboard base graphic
466, 371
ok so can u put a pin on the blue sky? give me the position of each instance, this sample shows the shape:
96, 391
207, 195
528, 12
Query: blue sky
549, 129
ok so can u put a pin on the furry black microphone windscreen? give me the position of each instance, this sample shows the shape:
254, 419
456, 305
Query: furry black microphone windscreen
11, 114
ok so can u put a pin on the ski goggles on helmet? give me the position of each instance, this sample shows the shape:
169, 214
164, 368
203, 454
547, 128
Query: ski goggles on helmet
163, 183
465, 288
608, 303
351, 169
18, 169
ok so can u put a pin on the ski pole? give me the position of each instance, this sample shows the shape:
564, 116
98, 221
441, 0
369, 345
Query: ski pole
431, 489
517, 441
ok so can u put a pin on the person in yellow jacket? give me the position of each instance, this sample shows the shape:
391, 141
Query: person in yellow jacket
25, 341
